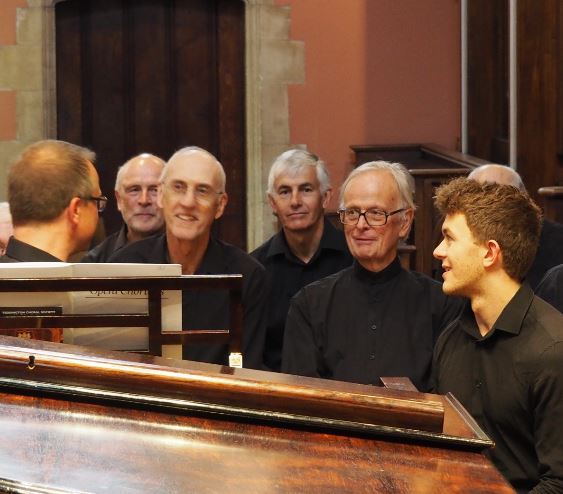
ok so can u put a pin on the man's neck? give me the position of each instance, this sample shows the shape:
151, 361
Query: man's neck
305, 243
488, 303
187, 253
51, 238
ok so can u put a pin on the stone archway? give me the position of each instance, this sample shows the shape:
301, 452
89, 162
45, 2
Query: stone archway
272, 62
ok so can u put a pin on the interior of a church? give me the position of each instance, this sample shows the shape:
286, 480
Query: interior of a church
428, 90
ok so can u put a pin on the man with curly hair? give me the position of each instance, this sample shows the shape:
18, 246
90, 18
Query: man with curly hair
503, 358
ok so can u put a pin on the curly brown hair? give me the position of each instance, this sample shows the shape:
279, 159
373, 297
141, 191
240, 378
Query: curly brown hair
496, 212
44, 179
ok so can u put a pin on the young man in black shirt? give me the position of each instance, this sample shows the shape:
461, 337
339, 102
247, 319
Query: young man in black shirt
503, 359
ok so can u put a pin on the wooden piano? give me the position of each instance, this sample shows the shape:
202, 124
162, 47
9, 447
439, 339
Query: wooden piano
75, 419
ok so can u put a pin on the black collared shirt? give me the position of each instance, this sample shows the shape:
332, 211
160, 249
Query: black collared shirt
288, 274
210, 309
358, 326
511, 381
551, 287
549, 254
104, 250
17, 251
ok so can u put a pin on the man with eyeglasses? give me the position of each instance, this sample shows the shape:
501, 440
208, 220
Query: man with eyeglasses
373, 319
307, 248
136, 189
192, 196
55, 198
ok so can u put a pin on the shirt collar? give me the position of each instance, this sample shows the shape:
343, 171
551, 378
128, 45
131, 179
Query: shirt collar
26, 252
331, 239
510, 319
379, 277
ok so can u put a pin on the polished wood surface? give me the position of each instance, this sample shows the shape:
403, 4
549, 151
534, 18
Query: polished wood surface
68, 425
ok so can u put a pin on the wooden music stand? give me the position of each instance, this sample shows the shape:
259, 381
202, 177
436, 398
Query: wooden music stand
151, 319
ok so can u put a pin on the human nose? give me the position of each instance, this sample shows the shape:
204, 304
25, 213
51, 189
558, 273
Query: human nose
295, 199
189, 197
439, 251
362, 222
145, 197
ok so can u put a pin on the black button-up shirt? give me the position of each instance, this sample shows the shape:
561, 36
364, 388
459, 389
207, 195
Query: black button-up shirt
104, 250
551, 287
358, 326
210, 309
17, 251
288, 274
511, 381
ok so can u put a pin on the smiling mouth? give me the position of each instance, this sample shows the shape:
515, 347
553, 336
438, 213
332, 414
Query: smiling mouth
186, 217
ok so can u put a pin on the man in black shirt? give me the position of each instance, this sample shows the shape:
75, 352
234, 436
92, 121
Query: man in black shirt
307, 248
373, 319
55, 198
503, 359
549, 252
192, 196
136, 189
551, 287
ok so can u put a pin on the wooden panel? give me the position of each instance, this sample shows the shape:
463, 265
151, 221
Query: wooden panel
487, 82
539, 63
154, 76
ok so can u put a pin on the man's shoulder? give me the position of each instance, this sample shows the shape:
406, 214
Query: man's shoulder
237, 260
328, 283
151, 250
546, 321
261, 252
103, 251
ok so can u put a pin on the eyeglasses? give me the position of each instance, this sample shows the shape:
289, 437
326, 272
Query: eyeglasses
373, 217
202, 193
100, 201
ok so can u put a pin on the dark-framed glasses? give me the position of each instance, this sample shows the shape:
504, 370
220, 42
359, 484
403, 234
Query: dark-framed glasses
100, 201
373, 217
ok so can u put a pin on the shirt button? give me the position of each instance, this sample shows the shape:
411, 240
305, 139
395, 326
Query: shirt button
374, 327
372, 356
478, 384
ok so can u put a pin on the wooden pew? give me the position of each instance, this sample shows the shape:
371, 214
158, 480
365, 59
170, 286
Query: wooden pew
81, 420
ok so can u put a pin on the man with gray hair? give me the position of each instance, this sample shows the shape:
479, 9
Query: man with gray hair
373, 319
550, 251
307, 248
136, 188
192, 196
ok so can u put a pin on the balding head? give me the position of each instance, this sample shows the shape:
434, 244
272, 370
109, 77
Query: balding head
136, 191
497, 174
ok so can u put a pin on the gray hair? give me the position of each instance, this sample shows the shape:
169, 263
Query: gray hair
497, 174
292, 162
403, 179
189, 149
123, 168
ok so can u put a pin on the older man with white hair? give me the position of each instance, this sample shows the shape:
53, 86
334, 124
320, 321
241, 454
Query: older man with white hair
373, 319
307, 247
192, 196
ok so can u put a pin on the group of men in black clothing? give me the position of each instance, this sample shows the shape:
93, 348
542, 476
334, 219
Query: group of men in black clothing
335, 304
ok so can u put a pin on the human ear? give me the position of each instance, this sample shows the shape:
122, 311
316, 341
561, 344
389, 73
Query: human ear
326, 197
493, 253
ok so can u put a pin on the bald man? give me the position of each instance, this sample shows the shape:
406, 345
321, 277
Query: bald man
55, 199
136, 188
550, 250
192, 196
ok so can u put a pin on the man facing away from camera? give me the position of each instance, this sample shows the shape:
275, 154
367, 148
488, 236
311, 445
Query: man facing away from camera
373, 319
307, 247
503, 359
55, 199
192, 196
136, 190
